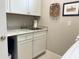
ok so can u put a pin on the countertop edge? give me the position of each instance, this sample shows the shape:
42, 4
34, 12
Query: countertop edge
22, 31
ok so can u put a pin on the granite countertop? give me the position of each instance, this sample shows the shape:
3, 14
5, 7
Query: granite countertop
15, 32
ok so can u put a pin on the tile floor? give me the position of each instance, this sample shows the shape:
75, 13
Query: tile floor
49, 55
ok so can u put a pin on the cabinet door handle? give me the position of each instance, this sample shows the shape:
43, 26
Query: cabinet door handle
2, 38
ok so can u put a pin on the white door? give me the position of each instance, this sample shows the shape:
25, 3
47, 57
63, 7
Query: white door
7, 6
35, 7
19, 6
3, 31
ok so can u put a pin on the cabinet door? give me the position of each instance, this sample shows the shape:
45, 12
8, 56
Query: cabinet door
25, 50
19, 6
3, 31
39, 46
35, 7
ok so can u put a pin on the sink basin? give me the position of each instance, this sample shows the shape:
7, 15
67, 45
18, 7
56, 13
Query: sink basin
36, 28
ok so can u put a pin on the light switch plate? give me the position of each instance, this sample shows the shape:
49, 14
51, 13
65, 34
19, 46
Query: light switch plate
69, 23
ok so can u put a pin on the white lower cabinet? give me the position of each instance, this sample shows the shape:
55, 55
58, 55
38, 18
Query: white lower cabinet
39, 46
30, 45
24, 46
39, 43
25, 50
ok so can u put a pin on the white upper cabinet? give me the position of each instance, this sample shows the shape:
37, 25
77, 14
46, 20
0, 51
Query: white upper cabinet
27, 7
19, 6
35, 7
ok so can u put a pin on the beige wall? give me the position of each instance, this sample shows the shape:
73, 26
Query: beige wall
60, 35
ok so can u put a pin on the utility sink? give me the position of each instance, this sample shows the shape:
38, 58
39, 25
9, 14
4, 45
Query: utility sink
36, 28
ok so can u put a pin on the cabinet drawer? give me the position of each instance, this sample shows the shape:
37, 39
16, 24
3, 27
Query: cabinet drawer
40, 37
39, 33
24, 37
23, 42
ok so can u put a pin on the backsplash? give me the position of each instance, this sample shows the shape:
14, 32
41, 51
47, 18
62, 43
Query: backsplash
16, 21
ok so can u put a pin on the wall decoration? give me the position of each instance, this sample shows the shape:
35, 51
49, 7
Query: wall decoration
71, 9
54, 9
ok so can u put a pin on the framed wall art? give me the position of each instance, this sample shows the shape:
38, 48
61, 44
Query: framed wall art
71, 9
55, 9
